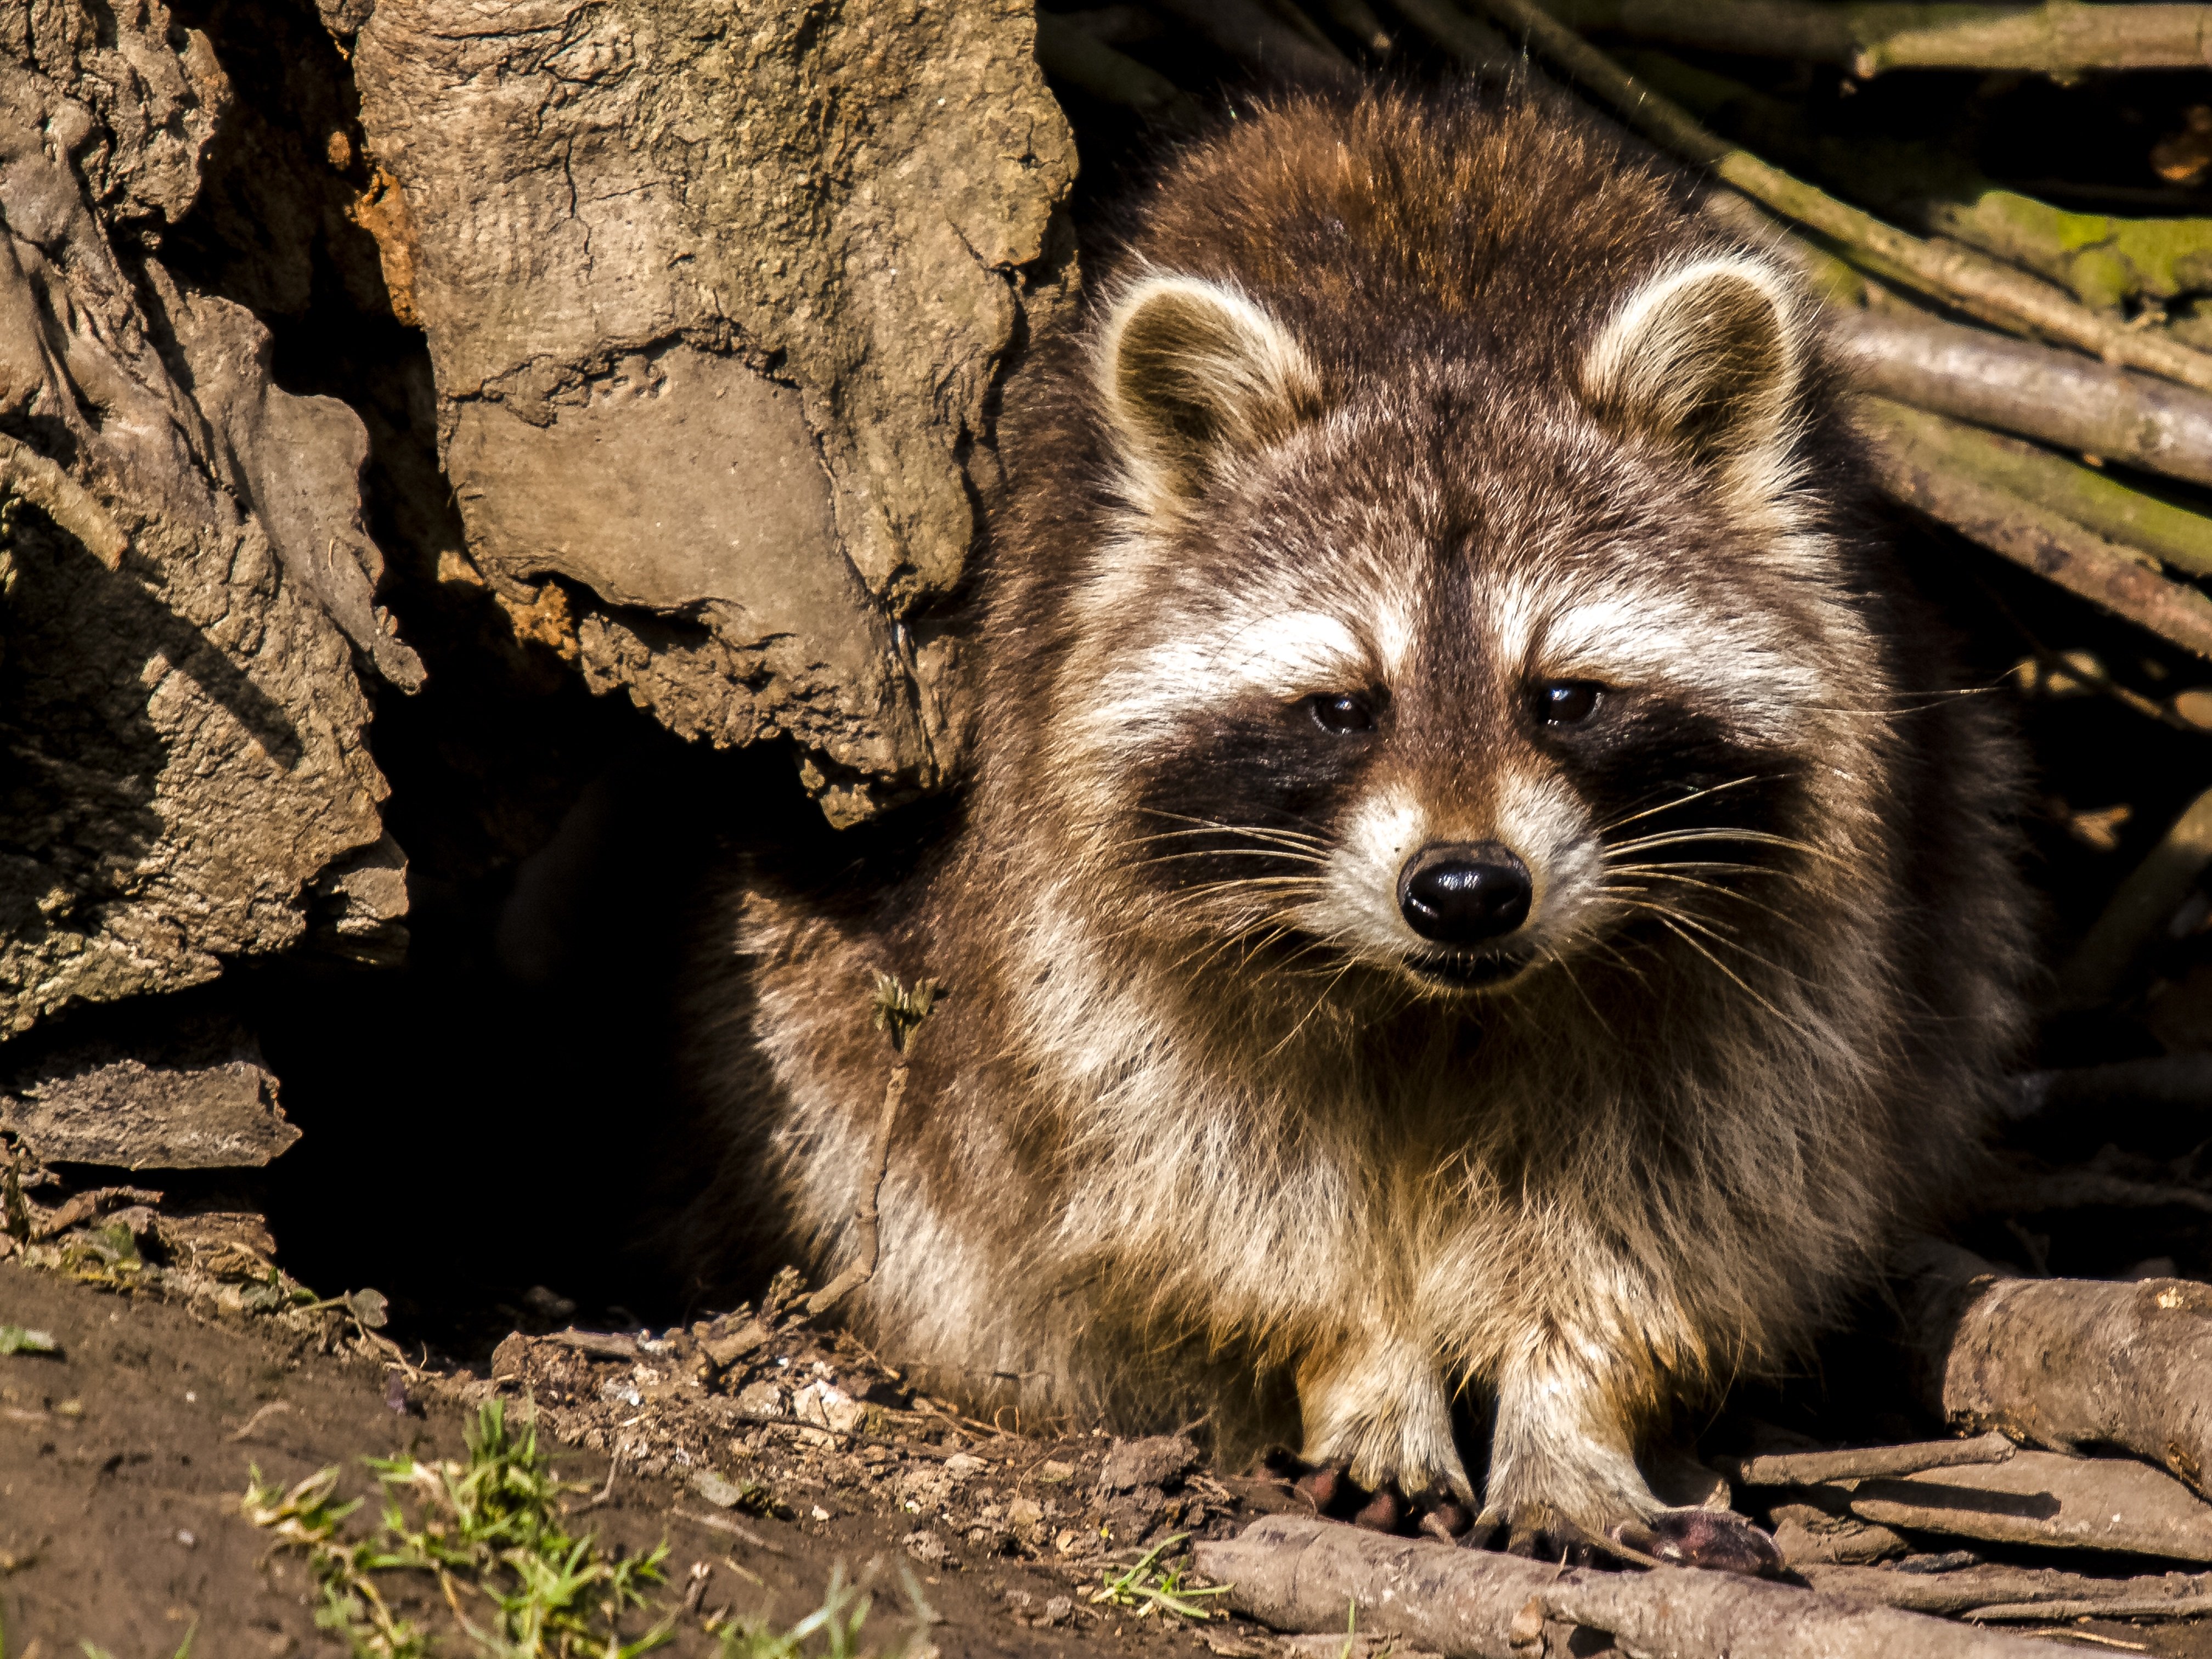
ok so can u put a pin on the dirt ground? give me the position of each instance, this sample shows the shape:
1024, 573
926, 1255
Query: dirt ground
123, 1458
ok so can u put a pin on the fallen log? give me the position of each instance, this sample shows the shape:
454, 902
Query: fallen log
2064, 1362
1301, 1574
2057, 397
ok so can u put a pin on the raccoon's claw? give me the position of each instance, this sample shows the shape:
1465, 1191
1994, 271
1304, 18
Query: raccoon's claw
1328, 1488
1542, 1534
1715, 1538
1334, 1494
1447, 1519
1384, 1511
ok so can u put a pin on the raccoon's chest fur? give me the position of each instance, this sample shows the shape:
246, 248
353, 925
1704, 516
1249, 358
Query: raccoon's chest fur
1474, 875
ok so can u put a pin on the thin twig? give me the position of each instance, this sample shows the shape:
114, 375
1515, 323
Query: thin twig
723, 1523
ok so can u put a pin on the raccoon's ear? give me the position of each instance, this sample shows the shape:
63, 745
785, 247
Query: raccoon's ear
1194, 373
1707, 357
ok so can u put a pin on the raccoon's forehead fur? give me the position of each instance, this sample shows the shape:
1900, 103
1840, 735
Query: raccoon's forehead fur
1364, 423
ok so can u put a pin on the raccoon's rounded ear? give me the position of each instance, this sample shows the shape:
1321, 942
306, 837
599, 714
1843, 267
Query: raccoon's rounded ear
1707, 357
1193, 374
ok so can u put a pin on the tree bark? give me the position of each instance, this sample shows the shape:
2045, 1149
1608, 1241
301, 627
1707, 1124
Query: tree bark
190, 595
717, 315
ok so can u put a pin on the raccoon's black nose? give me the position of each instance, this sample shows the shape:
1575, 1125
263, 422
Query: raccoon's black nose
1463, 893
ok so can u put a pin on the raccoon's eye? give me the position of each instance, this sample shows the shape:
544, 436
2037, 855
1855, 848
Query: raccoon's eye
1343, 713
1567, 702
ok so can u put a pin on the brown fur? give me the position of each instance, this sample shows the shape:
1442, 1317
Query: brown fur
1449, 399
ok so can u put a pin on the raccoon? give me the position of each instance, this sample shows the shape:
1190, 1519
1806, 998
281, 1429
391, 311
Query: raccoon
1476, 885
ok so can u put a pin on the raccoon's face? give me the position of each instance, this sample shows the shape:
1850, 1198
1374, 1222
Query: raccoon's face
1451, 677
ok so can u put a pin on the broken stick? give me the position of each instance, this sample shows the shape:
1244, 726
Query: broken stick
899, 1014
2065, 1362
1302, 1574
1862, 1463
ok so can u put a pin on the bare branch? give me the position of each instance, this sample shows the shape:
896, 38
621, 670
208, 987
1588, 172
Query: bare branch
2001, 1589
1956, 475
2063, 39
2017, 386
2138, 912
1476, 46
1090, 64
1252, 34
1862, 1463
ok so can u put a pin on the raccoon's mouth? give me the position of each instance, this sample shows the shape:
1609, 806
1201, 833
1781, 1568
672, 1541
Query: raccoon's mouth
1464, 972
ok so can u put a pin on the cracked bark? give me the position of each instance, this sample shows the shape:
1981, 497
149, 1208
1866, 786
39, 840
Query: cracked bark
717, 315
190, 594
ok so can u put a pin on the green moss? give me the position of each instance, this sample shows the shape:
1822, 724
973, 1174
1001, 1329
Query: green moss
2105, 262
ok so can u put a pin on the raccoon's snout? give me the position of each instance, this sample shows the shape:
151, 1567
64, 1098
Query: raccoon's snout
1461, 893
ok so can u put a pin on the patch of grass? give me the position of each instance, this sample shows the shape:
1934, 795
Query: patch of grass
488, 1530
184, 1648
1149, 1587
93, 1651
832, 1631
